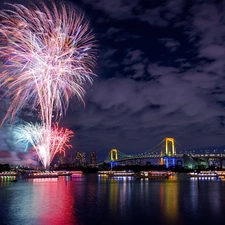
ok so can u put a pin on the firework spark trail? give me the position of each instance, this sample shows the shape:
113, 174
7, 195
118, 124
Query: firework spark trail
47, 143
48, 56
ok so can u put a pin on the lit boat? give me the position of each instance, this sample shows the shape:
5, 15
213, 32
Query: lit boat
123, 173
159, 174
204, 175
42, 175
9, 174
142, 174
104, 172
76, 173
221, 175
64, 173
155, 174
70, 173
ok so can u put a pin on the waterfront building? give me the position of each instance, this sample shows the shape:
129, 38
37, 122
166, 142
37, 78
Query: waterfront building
93, 158
80, 158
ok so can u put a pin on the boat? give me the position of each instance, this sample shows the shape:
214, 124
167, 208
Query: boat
105, 172
221, 175
112, 173
64, 173
203, 175
142, 174
9, 174
42, 175
77, 173
159, 174
70, 173
123, 173
155, 174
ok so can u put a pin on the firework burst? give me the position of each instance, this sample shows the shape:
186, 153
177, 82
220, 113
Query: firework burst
47, 143
48, 55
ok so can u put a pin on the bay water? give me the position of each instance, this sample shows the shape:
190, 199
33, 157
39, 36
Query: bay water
90, 199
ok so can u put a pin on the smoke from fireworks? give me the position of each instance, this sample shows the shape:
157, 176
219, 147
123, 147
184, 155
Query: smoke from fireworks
47, 143
48, 54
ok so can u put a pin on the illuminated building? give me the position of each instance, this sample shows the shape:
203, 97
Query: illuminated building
93, 158
80, 158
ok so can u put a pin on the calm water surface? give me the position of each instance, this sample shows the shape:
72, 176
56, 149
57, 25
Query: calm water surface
89, 199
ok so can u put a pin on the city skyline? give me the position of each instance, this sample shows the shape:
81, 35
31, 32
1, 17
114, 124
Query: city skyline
160, 73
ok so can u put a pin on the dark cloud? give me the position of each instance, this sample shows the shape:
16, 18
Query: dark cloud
14, 158
117, 9
171, 44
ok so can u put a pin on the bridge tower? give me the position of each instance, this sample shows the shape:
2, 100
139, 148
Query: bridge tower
170, 151
113, 157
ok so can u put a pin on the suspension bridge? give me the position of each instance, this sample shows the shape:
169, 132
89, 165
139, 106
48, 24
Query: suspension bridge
168, 151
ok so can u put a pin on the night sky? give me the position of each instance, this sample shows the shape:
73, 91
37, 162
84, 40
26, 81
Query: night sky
160, 73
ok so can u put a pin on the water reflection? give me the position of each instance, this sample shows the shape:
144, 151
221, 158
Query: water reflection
169, 197
5, 179
88, 199
47, 201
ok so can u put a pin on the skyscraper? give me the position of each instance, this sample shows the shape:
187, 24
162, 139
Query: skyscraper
93, 158
79, 158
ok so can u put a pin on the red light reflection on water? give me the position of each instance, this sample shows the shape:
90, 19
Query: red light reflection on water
43, 180
53, 201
